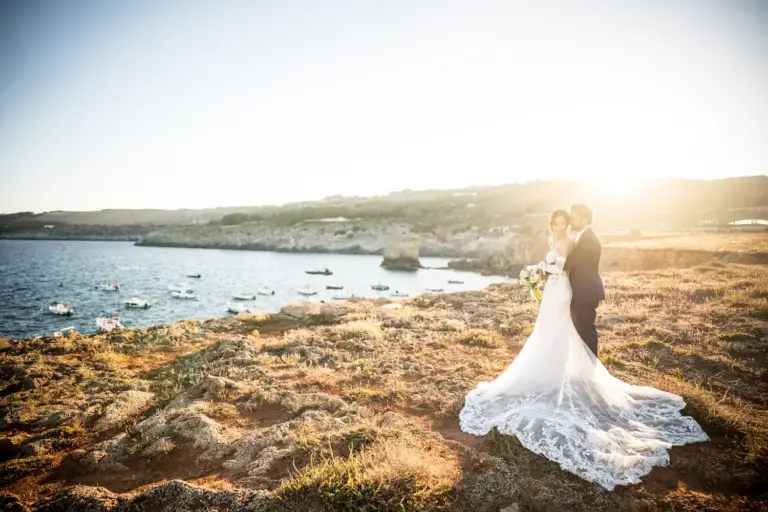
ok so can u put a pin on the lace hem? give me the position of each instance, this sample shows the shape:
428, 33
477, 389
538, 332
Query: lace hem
606, 444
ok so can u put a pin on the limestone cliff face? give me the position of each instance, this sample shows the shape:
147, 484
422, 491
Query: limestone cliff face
336, 237
519, 251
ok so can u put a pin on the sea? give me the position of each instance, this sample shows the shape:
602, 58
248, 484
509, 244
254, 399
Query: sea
34, 274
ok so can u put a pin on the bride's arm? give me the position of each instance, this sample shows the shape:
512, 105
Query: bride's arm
562, 250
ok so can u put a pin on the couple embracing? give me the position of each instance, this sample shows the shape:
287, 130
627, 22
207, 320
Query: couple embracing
558, 398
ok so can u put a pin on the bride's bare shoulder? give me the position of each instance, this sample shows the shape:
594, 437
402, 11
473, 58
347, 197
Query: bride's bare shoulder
566, 247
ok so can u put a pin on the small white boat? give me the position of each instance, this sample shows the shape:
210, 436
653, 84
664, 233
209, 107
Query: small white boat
320, 272
112, 287
61, 308
185, 294
137, 302
343, 296
181, 288
380, 287
241, 308
244, 296
108, 323
265, 291
306, 291
64, 331
398, 293
434, 290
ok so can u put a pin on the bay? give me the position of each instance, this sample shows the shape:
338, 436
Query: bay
35, 273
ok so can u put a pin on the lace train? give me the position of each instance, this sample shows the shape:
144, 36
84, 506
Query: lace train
562, 403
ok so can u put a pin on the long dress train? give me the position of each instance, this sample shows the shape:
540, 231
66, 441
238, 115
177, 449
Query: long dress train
561, 402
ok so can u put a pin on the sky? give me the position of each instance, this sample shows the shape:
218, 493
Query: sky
197, 104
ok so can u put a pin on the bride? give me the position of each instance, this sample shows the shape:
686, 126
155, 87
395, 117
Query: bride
561, 402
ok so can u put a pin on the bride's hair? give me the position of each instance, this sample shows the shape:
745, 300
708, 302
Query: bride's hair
554, 216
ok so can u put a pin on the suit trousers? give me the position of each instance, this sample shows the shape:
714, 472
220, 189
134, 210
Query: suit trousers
584, 315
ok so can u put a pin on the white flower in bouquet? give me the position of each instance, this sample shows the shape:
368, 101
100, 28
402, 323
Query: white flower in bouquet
532, 277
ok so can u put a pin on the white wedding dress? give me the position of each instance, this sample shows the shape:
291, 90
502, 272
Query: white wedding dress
561, 402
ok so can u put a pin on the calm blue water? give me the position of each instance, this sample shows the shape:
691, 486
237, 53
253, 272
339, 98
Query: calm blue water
31, 273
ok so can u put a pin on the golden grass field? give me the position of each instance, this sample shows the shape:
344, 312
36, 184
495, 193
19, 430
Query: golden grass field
354, 406
727, 242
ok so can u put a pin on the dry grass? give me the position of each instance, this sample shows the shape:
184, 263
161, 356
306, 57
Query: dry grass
480, 338
393, 475
725, 242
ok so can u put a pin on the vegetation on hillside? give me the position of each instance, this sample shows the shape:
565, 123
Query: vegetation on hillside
674, 203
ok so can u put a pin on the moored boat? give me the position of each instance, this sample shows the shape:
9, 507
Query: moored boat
452, 281
61, 308
380, 287
111, 287
243, 296
108, 323
331, 287
185, 294
320, 272
137, 302
64, 331
306, 291
236, 309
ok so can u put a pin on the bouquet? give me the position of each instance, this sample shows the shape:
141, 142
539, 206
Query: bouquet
534, 277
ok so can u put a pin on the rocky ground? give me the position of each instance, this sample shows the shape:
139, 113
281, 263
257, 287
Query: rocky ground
354, 406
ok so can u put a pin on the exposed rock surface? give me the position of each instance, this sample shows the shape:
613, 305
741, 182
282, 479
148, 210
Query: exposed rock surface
127, 405
341, 237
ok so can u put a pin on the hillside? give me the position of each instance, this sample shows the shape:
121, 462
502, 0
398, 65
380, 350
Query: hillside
354, 406
671, 203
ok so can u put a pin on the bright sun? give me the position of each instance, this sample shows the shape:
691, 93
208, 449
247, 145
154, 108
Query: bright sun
617, 185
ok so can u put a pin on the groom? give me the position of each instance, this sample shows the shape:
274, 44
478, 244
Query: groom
582, 264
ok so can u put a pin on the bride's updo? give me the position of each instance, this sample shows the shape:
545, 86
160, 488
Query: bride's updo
557, 214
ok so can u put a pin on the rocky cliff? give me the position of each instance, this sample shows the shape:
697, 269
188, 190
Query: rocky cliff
329, 237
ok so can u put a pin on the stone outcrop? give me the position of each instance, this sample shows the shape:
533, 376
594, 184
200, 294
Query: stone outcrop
402, 253
126, 406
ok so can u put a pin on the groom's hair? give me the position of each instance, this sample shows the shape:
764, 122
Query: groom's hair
583, 211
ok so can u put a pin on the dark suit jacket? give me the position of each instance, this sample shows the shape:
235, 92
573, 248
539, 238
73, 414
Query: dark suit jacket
582, 266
